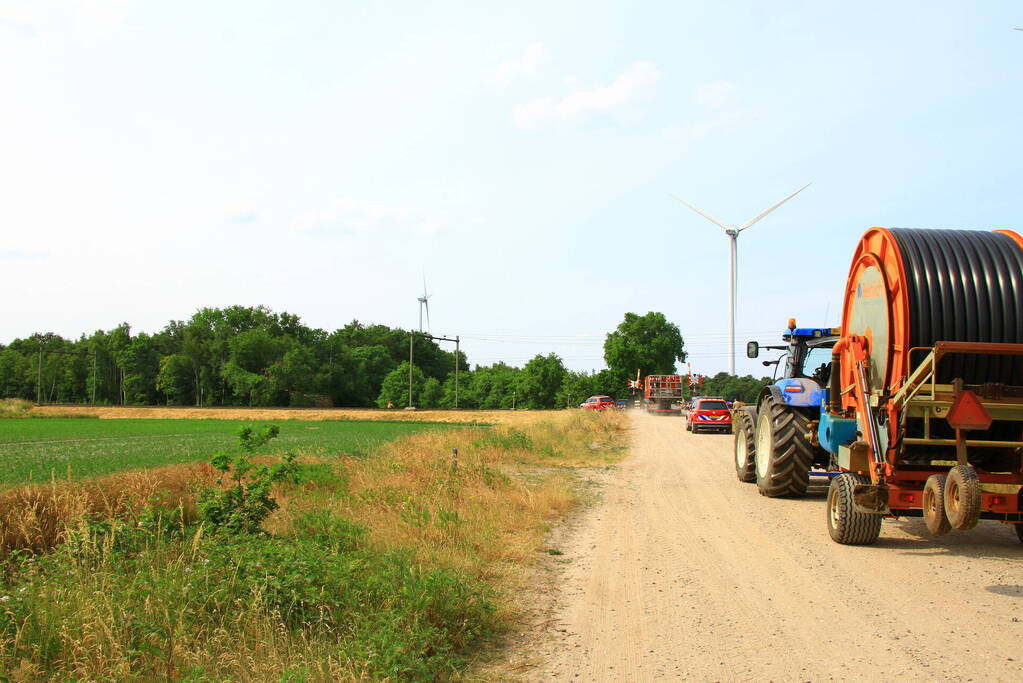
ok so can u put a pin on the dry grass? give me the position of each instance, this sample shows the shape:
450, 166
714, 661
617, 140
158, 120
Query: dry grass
14, 407
312, 414
507, 480
38, 517
485, 514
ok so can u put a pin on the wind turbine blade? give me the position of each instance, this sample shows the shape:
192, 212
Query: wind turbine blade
720, 223
424, 285
772, 208
427, 302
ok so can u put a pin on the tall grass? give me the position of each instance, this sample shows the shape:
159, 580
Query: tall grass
399, 566
14, 407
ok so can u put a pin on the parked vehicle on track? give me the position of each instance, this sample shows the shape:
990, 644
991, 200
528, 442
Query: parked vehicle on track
598, 403
709, 415
662, 394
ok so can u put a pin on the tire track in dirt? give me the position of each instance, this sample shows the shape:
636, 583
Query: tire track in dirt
682, 572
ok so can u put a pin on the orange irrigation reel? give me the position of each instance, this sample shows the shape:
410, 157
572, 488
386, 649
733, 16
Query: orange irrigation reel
931, 319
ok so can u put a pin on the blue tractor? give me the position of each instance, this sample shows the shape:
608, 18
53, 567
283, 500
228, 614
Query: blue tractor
776, 443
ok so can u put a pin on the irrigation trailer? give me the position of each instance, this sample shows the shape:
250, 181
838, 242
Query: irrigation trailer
923, 412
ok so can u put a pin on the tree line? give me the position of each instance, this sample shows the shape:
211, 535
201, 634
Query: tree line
253, 356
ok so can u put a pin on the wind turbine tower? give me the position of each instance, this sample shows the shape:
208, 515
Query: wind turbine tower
733, 238
424, 302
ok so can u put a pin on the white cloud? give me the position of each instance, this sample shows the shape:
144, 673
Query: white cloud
691, 131
431, 225
635, 82
353, 216
718, 100
240, 212
716, 95
31, 18
526, 63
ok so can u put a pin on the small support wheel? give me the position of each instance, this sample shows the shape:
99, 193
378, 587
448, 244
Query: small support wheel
962, 497
845, 524
745, 446
934, 505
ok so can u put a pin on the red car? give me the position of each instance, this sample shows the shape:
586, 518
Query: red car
598, 403
709, 414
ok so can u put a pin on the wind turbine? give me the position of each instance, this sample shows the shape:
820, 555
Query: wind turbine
733, 236
424, 302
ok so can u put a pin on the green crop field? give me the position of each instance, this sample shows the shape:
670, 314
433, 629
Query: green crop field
36, 450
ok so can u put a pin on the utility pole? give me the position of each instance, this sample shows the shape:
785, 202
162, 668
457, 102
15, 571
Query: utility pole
457, 341
411, 336
39, 376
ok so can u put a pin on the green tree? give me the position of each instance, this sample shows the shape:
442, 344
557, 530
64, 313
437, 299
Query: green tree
175, 379
14, 375
539, 382
394, 389
295, 374
575, 388
649, 343
732, 387
432, 393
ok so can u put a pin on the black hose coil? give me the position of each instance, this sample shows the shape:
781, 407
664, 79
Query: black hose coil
965, 285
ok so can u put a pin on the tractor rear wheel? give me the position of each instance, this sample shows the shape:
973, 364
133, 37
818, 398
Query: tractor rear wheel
934, 505
962, 497
783, 453
745, 446
1019, 532
845, 524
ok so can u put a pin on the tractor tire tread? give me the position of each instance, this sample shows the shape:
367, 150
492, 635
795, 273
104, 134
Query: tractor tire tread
745, 428
789, 473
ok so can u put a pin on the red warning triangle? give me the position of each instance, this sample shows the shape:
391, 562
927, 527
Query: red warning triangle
967, 412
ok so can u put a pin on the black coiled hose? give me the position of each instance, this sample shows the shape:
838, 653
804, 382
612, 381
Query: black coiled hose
965, 285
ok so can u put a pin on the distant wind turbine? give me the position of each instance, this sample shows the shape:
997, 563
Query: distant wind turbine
424, 302
733, 235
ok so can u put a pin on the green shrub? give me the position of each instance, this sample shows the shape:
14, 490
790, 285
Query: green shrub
242, 507
174, 587
510, 440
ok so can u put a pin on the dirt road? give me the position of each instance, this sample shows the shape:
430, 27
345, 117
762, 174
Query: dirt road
682, 572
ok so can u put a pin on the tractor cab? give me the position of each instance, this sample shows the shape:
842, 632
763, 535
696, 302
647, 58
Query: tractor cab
807, 352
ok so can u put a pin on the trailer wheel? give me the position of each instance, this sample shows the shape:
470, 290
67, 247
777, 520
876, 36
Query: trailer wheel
934, 505
845, 524
783, 454
1019, 532
962, 497
745, 446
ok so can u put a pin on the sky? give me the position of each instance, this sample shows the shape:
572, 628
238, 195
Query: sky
323, 158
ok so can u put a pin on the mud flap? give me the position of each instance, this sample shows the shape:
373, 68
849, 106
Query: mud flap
871, 499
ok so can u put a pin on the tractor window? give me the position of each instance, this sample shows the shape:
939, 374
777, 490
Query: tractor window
817, 364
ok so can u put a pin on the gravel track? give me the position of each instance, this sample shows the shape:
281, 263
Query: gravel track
683, 572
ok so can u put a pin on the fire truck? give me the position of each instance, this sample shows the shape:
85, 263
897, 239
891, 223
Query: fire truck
662, 394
